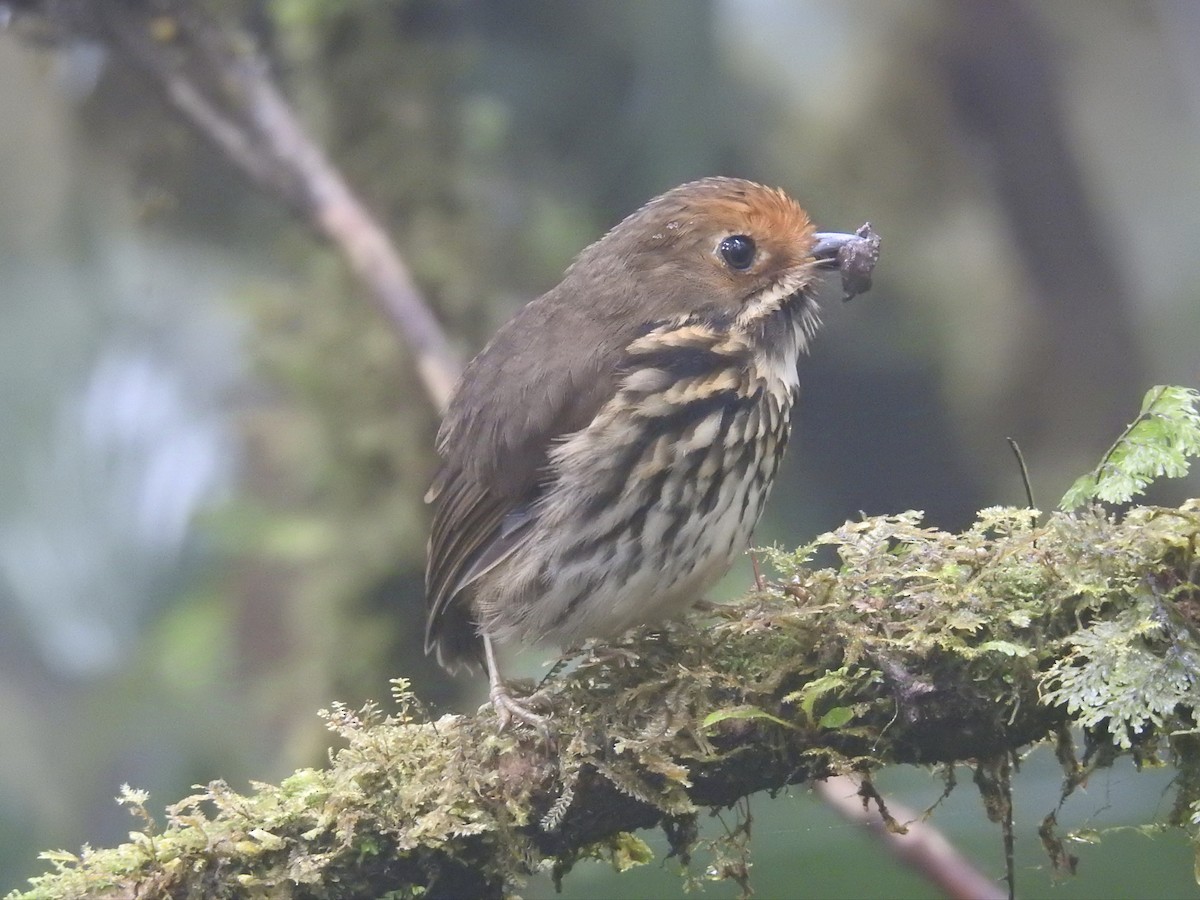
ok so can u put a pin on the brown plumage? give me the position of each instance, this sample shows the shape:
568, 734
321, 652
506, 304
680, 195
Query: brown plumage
606, 456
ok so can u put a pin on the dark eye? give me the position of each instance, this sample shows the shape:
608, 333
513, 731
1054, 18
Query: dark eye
738, 251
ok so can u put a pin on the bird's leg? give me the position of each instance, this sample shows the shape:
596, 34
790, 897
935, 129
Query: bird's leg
506, 706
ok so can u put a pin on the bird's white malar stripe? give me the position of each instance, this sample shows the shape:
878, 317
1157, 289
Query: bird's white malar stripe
772, 299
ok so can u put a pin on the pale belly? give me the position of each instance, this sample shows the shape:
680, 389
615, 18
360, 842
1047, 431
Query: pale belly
671, 525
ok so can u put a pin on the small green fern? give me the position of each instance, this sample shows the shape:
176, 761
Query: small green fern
1131, 674
1157, 444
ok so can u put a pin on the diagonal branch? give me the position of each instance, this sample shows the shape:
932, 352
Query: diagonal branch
919, 846
212, 75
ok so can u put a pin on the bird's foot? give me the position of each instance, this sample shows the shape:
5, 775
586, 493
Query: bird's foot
508, 708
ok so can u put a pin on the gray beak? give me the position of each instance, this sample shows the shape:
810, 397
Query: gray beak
854, 255
829, 243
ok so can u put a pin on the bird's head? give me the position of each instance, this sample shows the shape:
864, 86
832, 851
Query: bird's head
721, 246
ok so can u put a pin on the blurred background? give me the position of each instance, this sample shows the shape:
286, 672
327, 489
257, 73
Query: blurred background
213, 450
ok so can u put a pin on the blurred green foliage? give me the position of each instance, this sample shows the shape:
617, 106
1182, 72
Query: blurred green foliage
495, 139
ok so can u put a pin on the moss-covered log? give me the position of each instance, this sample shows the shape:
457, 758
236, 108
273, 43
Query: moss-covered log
918, 646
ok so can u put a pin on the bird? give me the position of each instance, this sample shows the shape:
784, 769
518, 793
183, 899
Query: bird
605, 458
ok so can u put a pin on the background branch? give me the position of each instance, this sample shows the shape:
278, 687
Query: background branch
921, 847
211, 73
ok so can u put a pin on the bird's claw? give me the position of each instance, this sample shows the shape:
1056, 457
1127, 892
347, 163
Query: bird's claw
508, 708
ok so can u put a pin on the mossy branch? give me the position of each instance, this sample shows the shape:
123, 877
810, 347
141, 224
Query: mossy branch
918, 647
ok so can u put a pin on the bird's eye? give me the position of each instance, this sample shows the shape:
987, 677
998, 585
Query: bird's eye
738, 251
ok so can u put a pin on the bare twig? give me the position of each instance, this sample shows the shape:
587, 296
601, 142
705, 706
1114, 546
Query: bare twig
212, 74
341, 217
921, 847
1016, 449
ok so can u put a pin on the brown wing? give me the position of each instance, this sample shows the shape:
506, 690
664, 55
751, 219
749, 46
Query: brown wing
515, 399
466, 522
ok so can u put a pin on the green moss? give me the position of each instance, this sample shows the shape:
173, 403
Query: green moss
920, 646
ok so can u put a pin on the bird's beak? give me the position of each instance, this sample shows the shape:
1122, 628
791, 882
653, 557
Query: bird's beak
827, 245
854, 255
